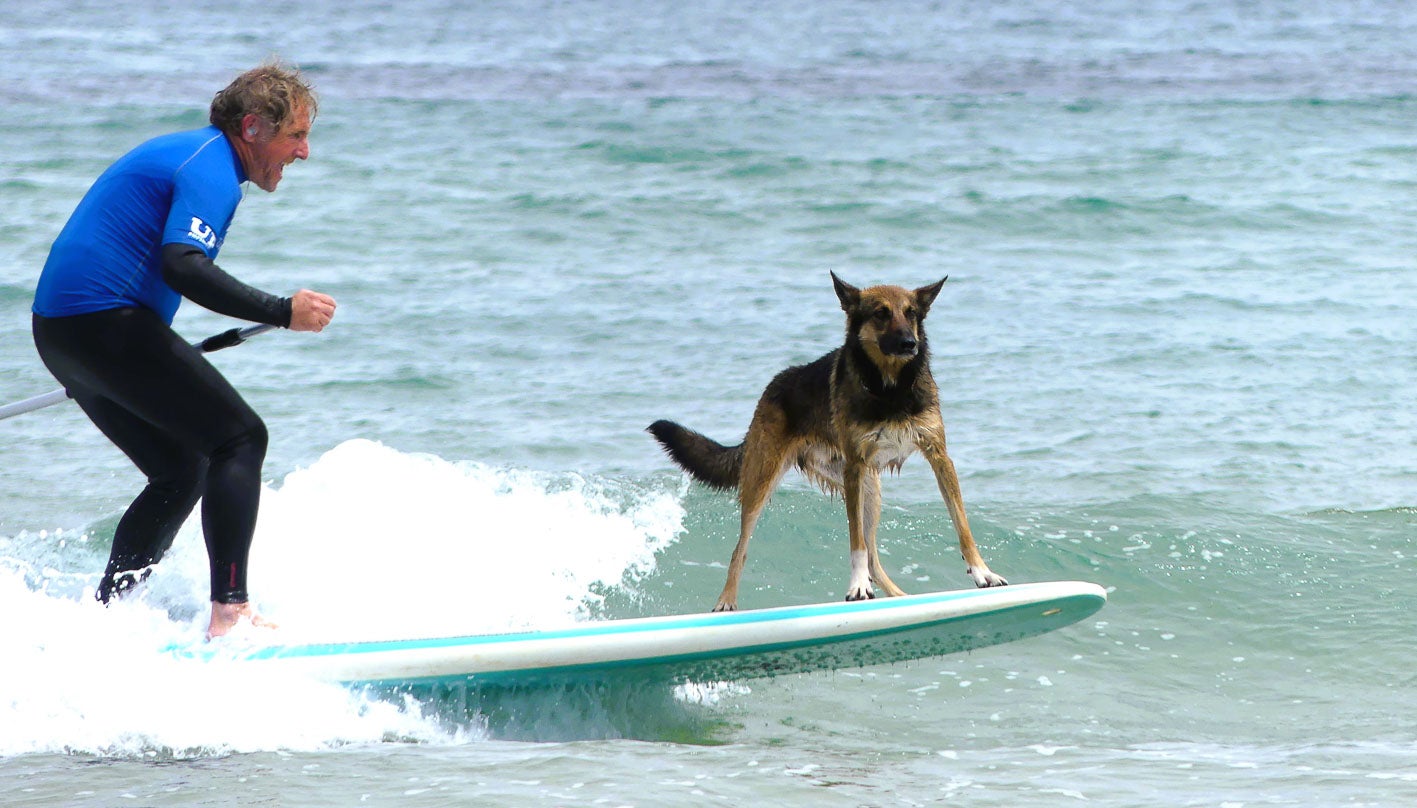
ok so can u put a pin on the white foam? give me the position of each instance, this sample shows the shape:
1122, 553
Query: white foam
377, 543
366, 543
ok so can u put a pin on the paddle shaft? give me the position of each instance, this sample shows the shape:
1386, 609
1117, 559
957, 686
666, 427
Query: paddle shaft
215, 342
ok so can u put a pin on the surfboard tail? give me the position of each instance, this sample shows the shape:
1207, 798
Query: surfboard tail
706, 460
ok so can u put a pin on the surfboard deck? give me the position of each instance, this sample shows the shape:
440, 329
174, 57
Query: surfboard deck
708, 647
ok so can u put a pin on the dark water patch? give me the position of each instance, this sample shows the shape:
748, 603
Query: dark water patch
1103, 219
553, 202
420, 383
759, 169
840, 208
1089, 205
627, 154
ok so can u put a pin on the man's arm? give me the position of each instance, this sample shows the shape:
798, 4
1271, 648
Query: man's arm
196, 277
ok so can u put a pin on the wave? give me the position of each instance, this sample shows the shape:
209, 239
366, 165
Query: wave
366, 543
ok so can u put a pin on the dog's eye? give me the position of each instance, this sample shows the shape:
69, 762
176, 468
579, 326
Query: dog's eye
883, 315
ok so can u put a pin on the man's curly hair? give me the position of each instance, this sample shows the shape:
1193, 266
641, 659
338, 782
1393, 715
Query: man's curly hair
272, 91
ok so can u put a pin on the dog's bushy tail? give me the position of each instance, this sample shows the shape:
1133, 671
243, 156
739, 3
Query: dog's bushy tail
707, 460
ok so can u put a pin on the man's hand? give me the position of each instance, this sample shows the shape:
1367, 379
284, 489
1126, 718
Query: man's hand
311, 311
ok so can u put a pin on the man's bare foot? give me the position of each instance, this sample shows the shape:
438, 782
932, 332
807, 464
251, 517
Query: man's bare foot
225, 616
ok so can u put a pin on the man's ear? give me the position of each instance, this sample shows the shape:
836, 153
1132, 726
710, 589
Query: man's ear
251, 127
925, 295
848, 295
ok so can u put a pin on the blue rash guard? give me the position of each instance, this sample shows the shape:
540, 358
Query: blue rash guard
181, 188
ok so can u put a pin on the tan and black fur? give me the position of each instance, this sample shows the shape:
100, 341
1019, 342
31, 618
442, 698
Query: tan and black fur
863, 408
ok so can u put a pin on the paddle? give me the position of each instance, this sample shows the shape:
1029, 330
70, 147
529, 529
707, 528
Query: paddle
215, 342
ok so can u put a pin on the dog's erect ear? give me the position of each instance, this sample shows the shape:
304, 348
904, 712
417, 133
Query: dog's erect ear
925, 295
848, 295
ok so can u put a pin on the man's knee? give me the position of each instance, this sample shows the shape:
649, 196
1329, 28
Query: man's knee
248, 444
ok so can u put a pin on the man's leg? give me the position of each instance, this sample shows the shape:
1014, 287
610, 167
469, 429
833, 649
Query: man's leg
176, 478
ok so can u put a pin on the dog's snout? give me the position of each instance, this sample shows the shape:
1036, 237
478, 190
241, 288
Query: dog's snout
899, 344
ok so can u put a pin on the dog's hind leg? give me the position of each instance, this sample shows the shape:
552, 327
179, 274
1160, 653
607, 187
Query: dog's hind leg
933, 447
764, 464
870, 520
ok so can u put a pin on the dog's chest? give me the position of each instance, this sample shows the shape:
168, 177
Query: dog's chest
888, 447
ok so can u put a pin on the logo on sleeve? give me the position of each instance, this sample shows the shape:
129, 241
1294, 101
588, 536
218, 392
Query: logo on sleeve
202, 233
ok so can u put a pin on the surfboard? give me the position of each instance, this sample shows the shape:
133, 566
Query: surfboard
708, 647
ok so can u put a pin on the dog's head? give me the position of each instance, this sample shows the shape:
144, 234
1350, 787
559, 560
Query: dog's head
887, 321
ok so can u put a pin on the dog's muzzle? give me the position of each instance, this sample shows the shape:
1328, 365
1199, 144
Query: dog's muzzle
898, 345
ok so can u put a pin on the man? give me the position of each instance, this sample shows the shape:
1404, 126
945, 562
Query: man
143, 237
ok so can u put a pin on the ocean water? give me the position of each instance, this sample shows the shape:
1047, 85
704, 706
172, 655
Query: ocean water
1176, 354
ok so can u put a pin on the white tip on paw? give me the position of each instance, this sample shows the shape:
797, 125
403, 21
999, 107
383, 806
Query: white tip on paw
984, 578
858, 587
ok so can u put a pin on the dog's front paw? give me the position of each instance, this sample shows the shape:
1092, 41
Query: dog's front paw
860, 593
725, 606
984, 578
858, 586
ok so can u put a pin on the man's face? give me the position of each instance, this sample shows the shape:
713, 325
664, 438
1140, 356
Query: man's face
272, 152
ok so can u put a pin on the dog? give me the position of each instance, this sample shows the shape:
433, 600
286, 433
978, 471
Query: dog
841, 420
